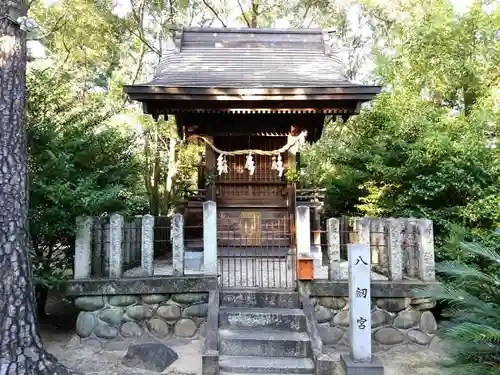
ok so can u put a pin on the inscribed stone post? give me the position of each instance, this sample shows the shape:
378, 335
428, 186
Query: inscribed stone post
409, 231
360, 302
115, 248
333, 240
303, 231
394, 249
147, 252
177, 245
210, 238
83, 253
426, 250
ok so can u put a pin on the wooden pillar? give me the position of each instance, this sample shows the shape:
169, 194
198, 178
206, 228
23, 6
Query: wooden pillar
292, 206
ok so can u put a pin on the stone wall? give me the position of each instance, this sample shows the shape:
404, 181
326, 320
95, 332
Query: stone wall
118, 318
395, 321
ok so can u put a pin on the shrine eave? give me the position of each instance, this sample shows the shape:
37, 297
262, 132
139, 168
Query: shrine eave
328, 100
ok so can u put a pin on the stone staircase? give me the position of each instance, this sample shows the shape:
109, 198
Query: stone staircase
263, 332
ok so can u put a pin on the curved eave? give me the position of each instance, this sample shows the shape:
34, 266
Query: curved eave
347, 92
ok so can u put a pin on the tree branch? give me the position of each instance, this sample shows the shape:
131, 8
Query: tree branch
216, 14
243, 14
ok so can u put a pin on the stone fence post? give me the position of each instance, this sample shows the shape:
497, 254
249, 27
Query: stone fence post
177, 245
83, 251
210, 238
303, 231
116, 250
426, 250
333, 240
393, 243
147, 249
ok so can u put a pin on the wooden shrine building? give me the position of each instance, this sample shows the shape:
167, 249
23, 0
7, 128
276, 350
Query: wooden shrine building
251, 89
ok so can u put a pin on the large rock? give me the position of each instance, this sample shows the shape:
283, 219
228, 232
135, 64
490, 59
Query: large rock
335, 303
330, 335
122, 300
105, 331
323, 314
342, 319
130, 329
425, 306
152, 357
380, 318
388, 336
185, 328
89, 303
393, 304
85, 324
428, 322
139, 312
190, 298
152, 299
407, 319
113, 315
199, 310
418, 337
158, 328
169, 312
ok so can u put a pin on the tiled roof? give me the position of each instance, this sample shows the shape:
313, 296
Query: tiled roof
250, 58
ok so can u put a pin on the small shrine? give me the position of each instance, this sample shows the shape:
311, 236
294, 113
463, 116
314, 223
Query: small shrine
253, 96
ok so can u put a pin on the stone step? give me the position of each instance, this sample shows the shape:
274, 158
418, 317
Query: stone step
266, 365
260, 298
263, 317
264, 342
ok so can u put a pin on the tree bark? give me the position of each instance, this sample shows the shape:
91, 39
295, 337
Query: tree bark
21, 350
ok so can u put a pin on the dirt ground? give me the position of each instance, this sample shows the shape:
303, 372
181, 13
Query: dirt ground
59, 339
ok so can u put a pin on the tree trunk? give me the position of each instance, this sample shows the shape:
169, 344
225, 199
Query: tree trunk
21, 350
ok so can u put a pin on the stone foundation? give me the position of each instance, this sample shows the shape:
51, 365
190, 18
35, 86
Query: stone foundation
395, 321
119, 318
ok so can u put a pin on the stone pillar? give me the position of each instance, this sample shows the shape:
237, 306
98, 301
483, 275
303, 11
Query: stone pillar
303, 231
377, 240
316, 251
115, 248
362, 228
360, 302
83, 253
426, 250
177, 245
333, 240
393, 244
210, 238
147, 249
360, 360
409, 246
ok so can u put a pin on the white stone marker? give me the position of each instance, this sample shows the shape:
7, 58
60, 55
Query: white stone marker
360, 302
209, 238
147, 251
360, 360
83, 253
115, 250
177, 245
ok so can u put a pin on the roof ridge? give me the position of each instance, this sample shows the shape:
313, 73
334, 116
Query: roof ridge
247, 30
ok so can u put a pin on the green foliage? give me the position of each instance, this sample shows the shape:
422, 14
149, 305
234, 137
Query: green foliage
471, 334
78, 166
426, 146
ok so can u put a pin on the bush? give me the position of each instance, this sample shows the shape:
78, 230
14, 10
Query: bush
472, 331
